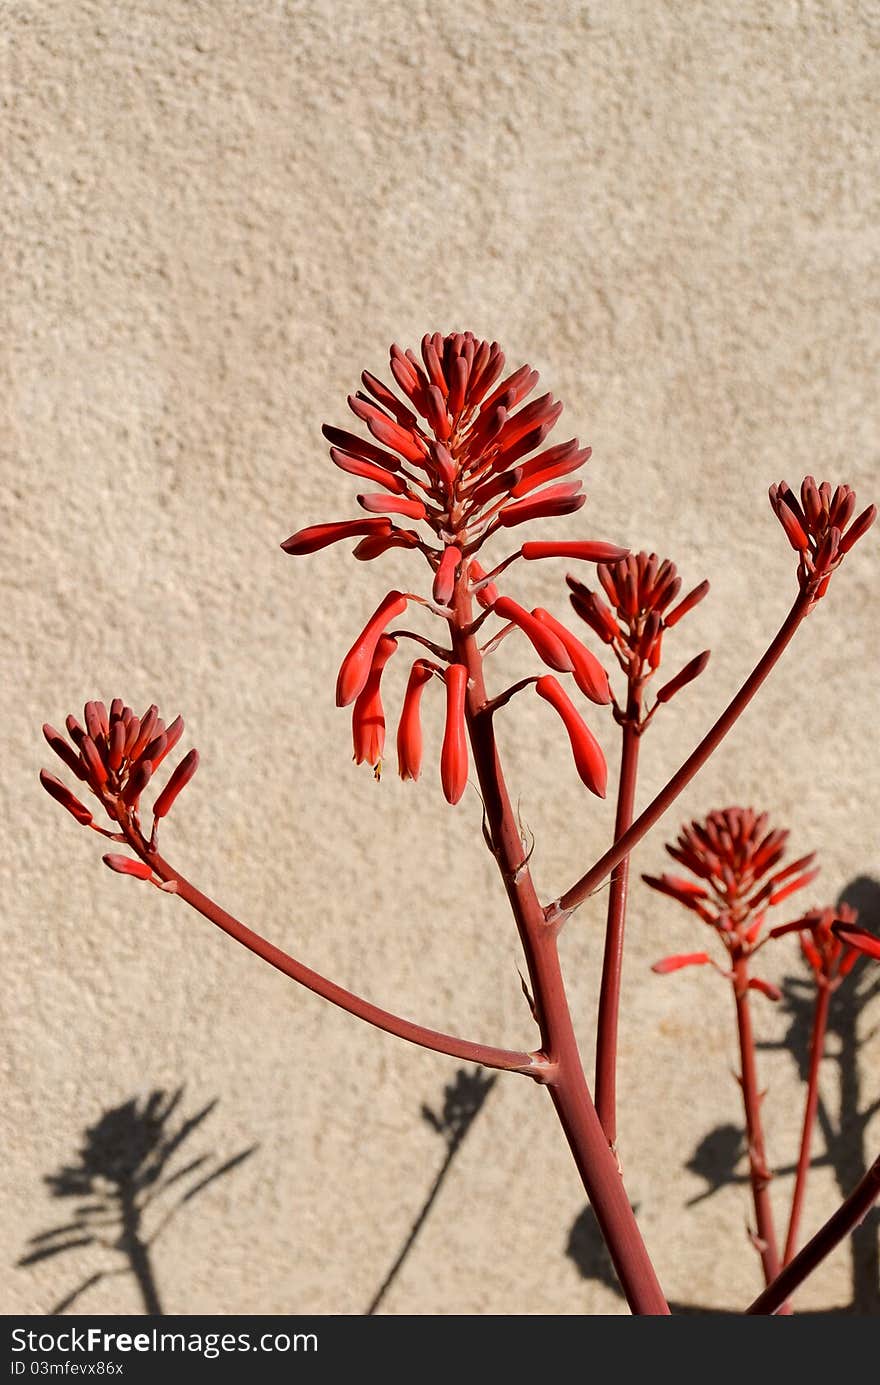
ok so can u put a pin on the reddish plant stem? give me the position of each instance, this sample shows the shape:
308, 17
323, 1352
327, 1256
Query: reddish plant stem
566, 1082
817, 1049
759, 1172
695, 761
847, 1217
505, 1059
612, 964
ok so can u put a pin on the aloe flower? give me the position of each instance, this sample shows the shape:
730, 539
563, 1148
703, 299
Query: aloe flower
820, 527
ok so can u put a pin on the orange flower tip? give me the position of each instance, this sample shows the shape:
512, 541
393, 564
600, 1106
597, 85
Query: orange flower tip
322, 535
127, 865
180, 777
355, 668
687, 675
683, 959
586, 552
765, 988
61, 793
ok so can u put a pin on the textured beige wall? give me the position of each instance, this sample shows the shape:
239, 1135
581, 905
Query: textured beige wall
215, 215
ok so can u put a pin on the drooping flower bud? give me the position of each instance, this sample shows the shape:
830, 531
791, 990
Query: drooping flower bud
444, 578
587, 752
355, 667
322, 535
368, 715
454, 754
548, 645
587, 552
691, 670
589, 674
127, 865
409, 730
555, 500
486, 595
683, 959
62, 794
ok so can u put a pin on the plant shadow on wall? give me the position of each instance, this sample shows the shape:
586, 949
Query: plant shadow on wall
127, 1191
463, 1100
718, 1157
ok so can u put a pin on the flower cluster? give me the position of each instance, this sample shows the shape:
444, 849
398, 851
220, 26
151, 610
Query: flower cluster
642, 605
453, 455
819, 528
736, 858
829, 956
115, 754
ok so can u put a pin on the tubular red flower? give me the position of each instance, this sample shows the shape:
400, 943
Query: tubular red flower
127, 865
444, 578
585, 748
64, 751
322, 535
589, 675
859, 938
454, 754
555, 500
409, 730
376, 544
62, 794
487, 595
392, 505
370, 471
368, 715
588, 551
683, 959
546, 644
180, 777
686, 604
765, 987
355, 667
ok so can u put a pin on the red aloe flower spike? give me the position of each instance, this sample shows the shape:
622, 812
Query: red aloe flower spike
370, 471
136, 782
62, 794
409, 730
444, 579
64, 751
589, 675
588, 757
588, 552
546, 644
690, 671
374, 545
355, 667
180, 777
860, 938
818, 530
322, 535
555, 500
682, 959
368, 716
454, 754
127, 865
686, 604
765, 987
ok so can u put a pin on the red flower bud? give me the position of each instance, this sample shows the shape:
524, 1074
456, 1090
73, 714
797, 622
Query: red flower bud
589, 674
97, 770
687, 675
588, 552
683, 959
370, 471
765, 987
355, 668
127, 865
392, 505
409, 731
546, 643
555, 500
686, 604
587, 752
860, 938
64, 751
454, 754
62, 794
137, 781
321, 535
180, 777
374, 545
486, 596
444, 579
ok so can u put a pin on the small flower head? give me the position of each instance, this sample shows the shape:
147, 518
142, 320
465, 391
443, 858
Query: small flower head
830, 955
820, 527
736, 859
115, 754
642, 603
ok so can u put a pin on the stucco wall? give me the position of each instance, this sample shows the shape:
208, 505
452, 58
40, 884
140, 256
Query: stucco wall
215, 215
